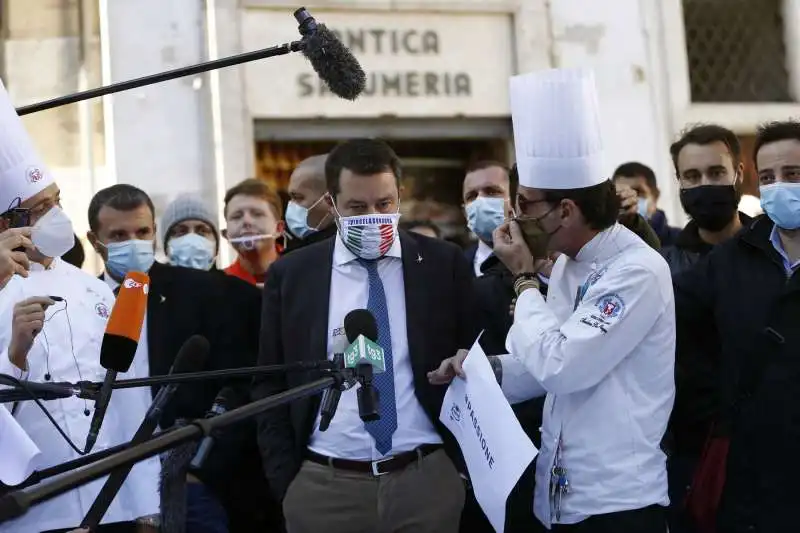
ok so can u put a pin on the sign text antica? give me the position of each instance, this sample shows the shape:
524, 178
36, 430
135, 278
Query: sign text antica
387, 83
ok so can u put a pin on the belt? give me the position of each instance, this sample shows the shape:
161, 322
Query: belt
376, 468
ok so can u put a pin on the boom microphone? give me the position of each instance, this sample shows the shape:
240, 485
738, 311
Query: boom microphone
191, 357
119, 343
331, 59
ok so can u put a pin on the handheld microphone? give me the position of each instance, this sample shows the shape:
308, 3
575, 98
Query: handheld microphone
366, 357
330, 399
119, 343
172, 485
226, 399
331, 59
191, 357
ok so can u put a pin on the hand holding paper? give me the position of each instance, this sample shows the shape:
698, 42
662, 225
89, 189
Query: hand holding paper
496, 449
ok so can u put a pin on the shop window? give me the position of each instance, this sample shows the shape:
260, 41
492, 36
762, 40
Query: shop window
736, 51
433, 172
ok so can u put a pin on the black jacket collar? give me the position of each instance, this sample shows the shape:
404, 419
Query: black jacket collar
689, 237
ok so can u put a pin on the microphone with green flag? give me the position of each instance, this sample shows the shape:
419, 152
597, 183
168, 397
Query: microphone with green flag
366, 357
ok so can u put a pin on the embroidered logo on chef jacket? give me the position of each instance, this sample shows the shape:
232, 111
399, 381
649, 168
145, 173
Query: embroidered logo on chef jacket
610, 305
101, 310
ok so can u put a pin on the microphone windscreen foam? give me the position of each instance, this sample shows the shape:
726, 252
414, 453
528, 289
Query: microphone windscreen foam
334, 63
360, 322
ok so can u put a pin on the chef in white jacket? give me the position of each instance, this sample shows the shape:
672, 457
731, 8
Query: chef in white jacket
602, 347
58, 339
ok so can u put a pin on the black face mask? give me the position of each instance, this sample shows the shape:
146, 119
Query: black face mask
712, 207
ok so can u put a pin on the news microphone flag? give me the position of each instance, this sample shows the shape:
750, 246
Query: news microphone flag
364, 351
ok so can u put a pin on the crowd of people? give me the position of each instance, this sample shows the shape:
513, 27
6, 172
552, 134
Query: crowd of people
650, 365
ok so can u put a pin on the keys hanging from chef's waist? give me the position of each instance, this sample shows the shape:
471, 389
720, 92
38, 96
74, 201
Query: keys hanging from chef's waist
559, 487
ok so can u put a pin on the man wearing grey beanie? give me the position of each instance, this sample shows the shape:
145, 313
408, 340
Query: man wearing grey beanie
190, 233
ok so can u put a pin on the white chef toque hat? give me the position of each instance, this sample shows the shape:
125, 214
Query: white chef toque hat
557, 135
22, 173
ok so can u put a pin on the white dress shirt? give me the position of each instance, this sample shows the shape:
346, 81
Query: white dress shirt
68, 348
606, 362
346, 437
482, 253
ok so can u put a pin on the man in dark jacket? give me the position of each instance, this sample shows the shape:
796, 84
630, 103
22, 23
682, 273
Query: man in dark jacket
709, 169
307, 217
642, 179
747, 292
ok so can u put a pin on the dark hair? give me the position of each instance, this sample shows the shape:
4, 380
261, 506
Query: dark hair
704, 134
599, 203
360, 156
484, 164
634, 169
775, 131
122, 197
75, 256
411, 224
513, 182
258, 189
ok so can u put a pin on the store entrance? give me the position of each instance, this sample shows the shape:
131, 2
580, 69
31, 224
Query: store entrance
433, 173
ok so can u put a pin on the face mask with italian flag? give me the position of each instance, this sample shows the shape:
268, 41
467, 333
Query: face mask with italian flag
368, 236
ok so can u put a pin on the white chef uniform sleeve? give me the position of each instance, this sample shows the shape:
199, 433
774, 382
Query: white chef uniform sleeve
9, 296
613, 317
517, 384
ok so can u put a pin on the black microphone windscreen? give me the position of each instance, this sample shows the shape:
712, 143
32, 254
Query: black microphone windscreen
192, 356
360, 322
334, 63
117, 353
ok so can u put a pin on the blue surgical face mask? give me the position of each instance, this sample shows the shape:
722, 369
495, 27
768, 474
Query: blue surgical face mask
129, 256
781, 202
642, 206
191, 251
297, 218
484, 215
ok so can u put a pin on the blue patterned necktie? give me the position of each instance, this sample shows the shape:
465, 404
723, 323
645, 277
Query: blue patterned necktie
382, 429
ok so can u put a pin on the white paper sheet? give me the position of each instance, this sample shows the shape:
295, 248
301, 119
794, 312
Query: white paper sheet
495, 447
19, 456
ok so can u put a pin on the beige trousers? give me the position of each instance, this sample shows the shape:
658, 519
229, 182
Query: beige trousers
425, 497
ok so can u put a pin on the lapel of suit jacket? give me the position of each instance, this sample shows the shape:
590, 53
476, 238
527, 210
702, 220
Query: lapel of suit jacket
318, 289
414, 276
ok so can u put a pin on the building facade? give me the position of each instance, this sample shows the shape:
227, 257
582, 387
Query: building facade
437, 85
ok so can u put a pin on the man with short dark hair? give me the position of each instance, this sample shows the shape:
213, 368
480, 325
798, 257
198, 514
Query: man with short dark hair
756, 375
181, 302
642, 179
486, 196
392, 474
602, 346
253, 212
308, 219
710, 172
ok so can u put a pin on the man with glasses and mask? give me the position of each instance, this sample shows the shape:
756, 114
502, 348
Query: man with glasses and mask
51, 328
308, 218
393, 474
602, 346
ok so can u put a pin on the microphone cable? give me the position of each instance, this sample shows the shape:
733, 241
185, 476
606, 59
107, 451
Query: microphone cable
14, 381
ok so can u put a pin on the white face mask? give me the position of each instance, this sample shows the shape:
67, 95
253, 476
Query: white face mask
192, 251
52, 234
